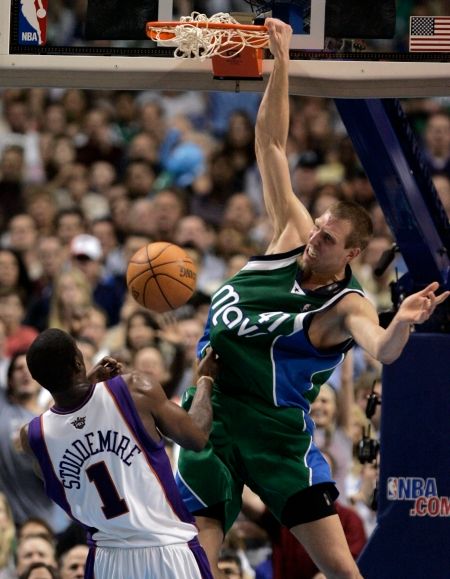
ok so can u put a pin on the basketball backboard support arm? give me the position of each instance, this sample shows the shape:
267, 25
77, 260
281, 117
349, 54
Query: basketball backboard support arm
391, 157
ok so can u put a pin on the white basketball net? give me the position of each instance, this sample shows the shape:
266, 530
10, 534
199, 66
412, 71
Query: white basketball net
195, 42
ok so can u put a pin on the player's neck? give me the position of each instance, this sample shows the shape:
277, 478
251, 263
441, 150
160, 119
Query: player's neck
73, 396
312, 279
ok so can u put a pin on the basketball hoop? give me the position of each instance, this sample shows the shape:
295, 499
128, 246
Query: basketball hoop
235, 48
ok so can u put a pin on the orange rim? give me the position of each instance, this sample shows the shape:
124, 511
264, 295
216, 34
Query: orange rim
202, 24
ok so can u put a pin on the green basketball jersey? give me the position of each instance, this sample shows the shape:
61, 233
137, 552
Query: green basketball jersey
258, 324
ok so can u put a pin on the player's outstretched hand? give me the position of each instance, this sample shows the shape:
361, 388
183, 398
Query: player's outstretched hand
280, 35
417, 308
104, 370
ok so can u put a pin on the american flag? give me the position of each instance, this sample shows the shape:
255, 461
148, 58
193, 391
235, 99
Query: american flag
429, 34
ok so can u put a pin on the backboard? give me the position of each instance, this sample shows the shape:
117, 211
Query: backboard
43, 46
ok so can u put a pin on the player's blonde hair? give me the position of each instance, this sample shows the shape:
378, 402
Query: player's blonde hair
362, 227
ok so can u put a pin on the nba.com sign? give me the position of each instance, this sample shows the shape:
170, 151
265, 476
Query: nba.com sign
424, 493
33, 22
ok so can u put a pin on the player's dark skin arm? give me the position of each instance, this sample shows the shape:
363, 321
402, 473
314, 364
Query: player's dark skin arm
158, 414
27, 450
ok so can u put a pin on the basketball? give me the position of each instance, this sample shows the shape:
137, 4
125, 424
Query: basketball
161, 276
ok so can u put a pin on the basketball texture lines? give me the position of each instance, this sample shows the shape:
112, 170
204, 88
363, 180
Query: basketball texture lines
161, 276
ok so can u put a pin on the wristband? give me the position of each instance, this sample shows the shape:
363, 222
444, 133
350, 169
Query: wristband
207, 378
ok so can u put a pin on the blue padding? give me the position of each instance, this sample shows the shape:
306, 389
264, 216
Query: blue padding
415, 461
391, 158
291, 14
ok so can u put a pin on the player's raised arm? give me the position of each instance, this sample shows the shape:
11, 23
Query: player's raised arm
291, 220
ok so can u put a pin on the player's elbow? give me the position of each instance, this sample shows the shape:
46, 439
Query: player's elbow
387, 357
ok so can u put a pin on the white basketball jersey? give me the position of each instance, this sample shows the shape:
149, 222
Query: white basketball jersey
102, 467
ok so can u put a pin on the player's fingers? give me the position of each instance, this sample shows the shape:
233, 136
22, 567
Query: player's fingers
430, 288
442, 297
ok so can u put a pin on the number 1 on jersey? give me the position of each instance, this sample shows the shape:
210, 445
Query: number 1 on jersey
113, 505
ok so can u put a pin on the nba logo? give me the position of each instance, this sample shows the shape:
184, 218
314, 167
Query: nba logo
33, 22
392, 488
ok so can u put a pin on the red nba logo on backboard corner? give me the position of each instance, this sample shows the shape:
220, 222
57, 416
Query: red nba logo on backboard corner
33, 22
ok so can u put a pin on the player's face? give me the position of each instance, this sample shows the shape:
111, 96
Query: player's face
325, 250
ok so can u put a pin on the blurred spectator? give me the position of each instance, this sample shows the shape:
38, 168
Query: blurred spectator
70, 300
21, 134
331, 412
41, 206
305, 178
34, 550
363, 499
139, 178
144, 147
36, 527
68, 224
230, 564
72, 189
98, 140
137, 218
51, 257
238, 145
102, 175
193, 230
40, 570
239, 213
107, 291
169, 206
12, 312
88, 351
4, 359
191, 330
13, 273
221, 105
442, 185
150, 362
376, 286
55, 119
18, 481
141, 330
94, 329
7, 538
11, 183
437, 143
368, 382
125, 125
72, 563
211, 189
22, 237
104, 230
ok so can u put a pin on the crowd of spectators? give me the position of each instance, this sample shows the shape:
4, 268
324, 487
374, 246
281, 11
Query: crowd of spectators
89, 177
